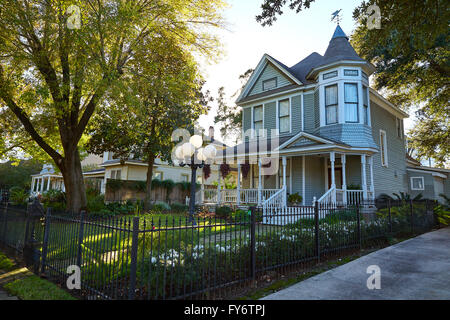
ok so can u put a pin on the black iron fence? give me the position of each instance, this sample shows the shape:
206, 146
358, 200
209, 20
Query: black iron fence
170, 258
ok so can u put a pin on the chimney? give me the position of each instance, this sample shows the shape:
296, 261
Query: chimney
211, 133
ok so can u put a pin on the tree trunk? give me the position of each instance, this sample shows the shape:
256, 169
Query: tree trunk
74, 182
148, 192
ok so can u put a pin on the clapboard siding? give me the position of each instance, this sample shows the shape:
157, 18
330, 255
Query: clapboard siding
309, 112
269, 72
388, 179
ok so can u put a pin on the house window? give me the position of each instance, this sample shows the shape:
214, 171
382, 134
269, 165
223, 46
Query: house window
255, 175
417, 183
116, 174
185, 177
351, 102
399, 127
383, 148
258, 119
269, 84
158, 175
351, 73
330, 75
366, 105
284, 119
331, 104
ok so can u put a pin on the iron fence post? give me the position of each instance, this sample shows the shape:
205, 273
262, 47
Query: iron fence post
252, 244
45, 240
390, 216
412, 213
80, 238
316, 219
134, 254
5, 222
358, 219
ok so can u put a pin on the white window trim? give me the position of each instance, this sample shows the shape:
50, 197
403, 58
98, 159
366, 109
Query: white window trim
412, 184
384, 137
399, 127
358, 103
277, 113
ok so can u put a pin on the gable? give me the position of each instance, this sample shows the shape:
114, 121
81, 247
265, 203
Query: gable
269, 72
304, 139
302, 142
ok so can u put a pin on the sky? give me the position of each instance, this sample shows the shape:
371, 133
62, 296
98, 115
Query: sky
290, 39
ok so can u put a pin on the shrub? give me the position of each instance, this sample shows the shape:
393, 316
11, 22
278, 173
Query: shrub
139, 186
223, 212
18, 195
160, 206
295, 198
114, 184
95, 203
56, 199
179, 207
241, 216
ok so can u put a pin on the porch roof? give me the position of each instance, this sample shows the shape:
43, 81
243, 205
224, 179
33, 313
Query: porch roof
301, 143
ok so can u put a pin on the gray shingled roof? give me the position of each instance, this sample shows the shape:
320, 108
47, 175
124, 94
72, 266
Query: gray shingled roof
338, 49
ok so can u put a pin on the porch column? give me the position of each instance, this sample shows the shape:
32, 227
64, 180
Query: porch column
284, 179
259, 183
42, 184
363, 176
372, 187
48, 184
238, 196
218, 186
344, 179
333, 179
32, 186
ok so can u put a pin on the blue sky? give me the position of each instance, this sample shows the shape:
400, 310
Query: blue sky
290, 39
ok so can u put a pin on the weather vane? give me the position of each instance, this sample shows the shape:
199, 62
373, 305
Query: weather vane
336, 17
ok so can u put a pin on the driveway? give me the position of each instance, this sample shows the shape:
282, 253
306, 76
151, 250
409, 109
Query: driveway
418, 268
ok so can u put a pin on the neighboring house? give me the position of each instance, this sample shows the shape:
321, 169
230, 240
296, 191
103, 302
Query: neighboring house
338, 140
129, 170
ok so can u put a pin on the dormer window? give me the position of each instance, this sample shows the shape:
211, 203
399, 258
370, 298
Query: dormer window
331, 104
351, 102
269, 84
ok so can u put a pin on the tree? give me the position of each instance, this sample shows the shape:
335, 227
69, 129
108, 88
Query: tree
411, 53
164, 94
272, 8
53, 75
18, 174
230, 117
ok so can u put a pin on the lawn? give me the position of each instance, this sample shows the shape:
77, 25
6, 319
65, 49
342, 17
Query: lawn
25, 285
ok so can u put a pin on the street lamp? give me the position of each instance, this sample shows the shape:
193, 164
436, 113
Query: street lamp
196, 156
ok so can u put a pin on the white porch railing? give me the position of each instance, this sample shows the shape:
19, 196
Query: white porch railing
247, 196
329, 197
355, 197
277, 200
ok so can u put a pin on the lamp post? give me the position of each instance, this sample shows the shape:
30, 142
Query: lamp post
196, 156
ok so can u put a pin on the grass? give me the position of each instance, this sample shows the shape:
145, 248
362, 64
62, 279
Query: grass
34, 288
22, 283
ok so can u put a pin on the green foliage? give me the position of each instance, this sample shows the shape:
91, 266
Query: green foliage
241, 216
354, 187
6, 264
114, 184
139, 186
442, 214
411, 54
223, 212
18, 174
179, 208
295, 198
161, 206
54, 199
95, 203
403, 196
18, 196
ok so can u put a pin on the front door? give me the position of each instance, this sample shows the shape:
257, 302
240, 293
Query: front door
338, 177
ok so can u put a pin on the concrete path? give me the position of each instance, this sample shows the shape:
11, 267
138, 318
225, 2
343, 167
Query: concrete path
418, 268
5, 296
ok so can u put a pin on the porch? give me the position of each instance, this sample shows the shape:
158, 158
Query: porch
328, 178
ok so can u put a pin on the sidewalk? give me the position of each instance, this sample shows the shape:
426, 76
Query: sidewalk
417, 268
4, 296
